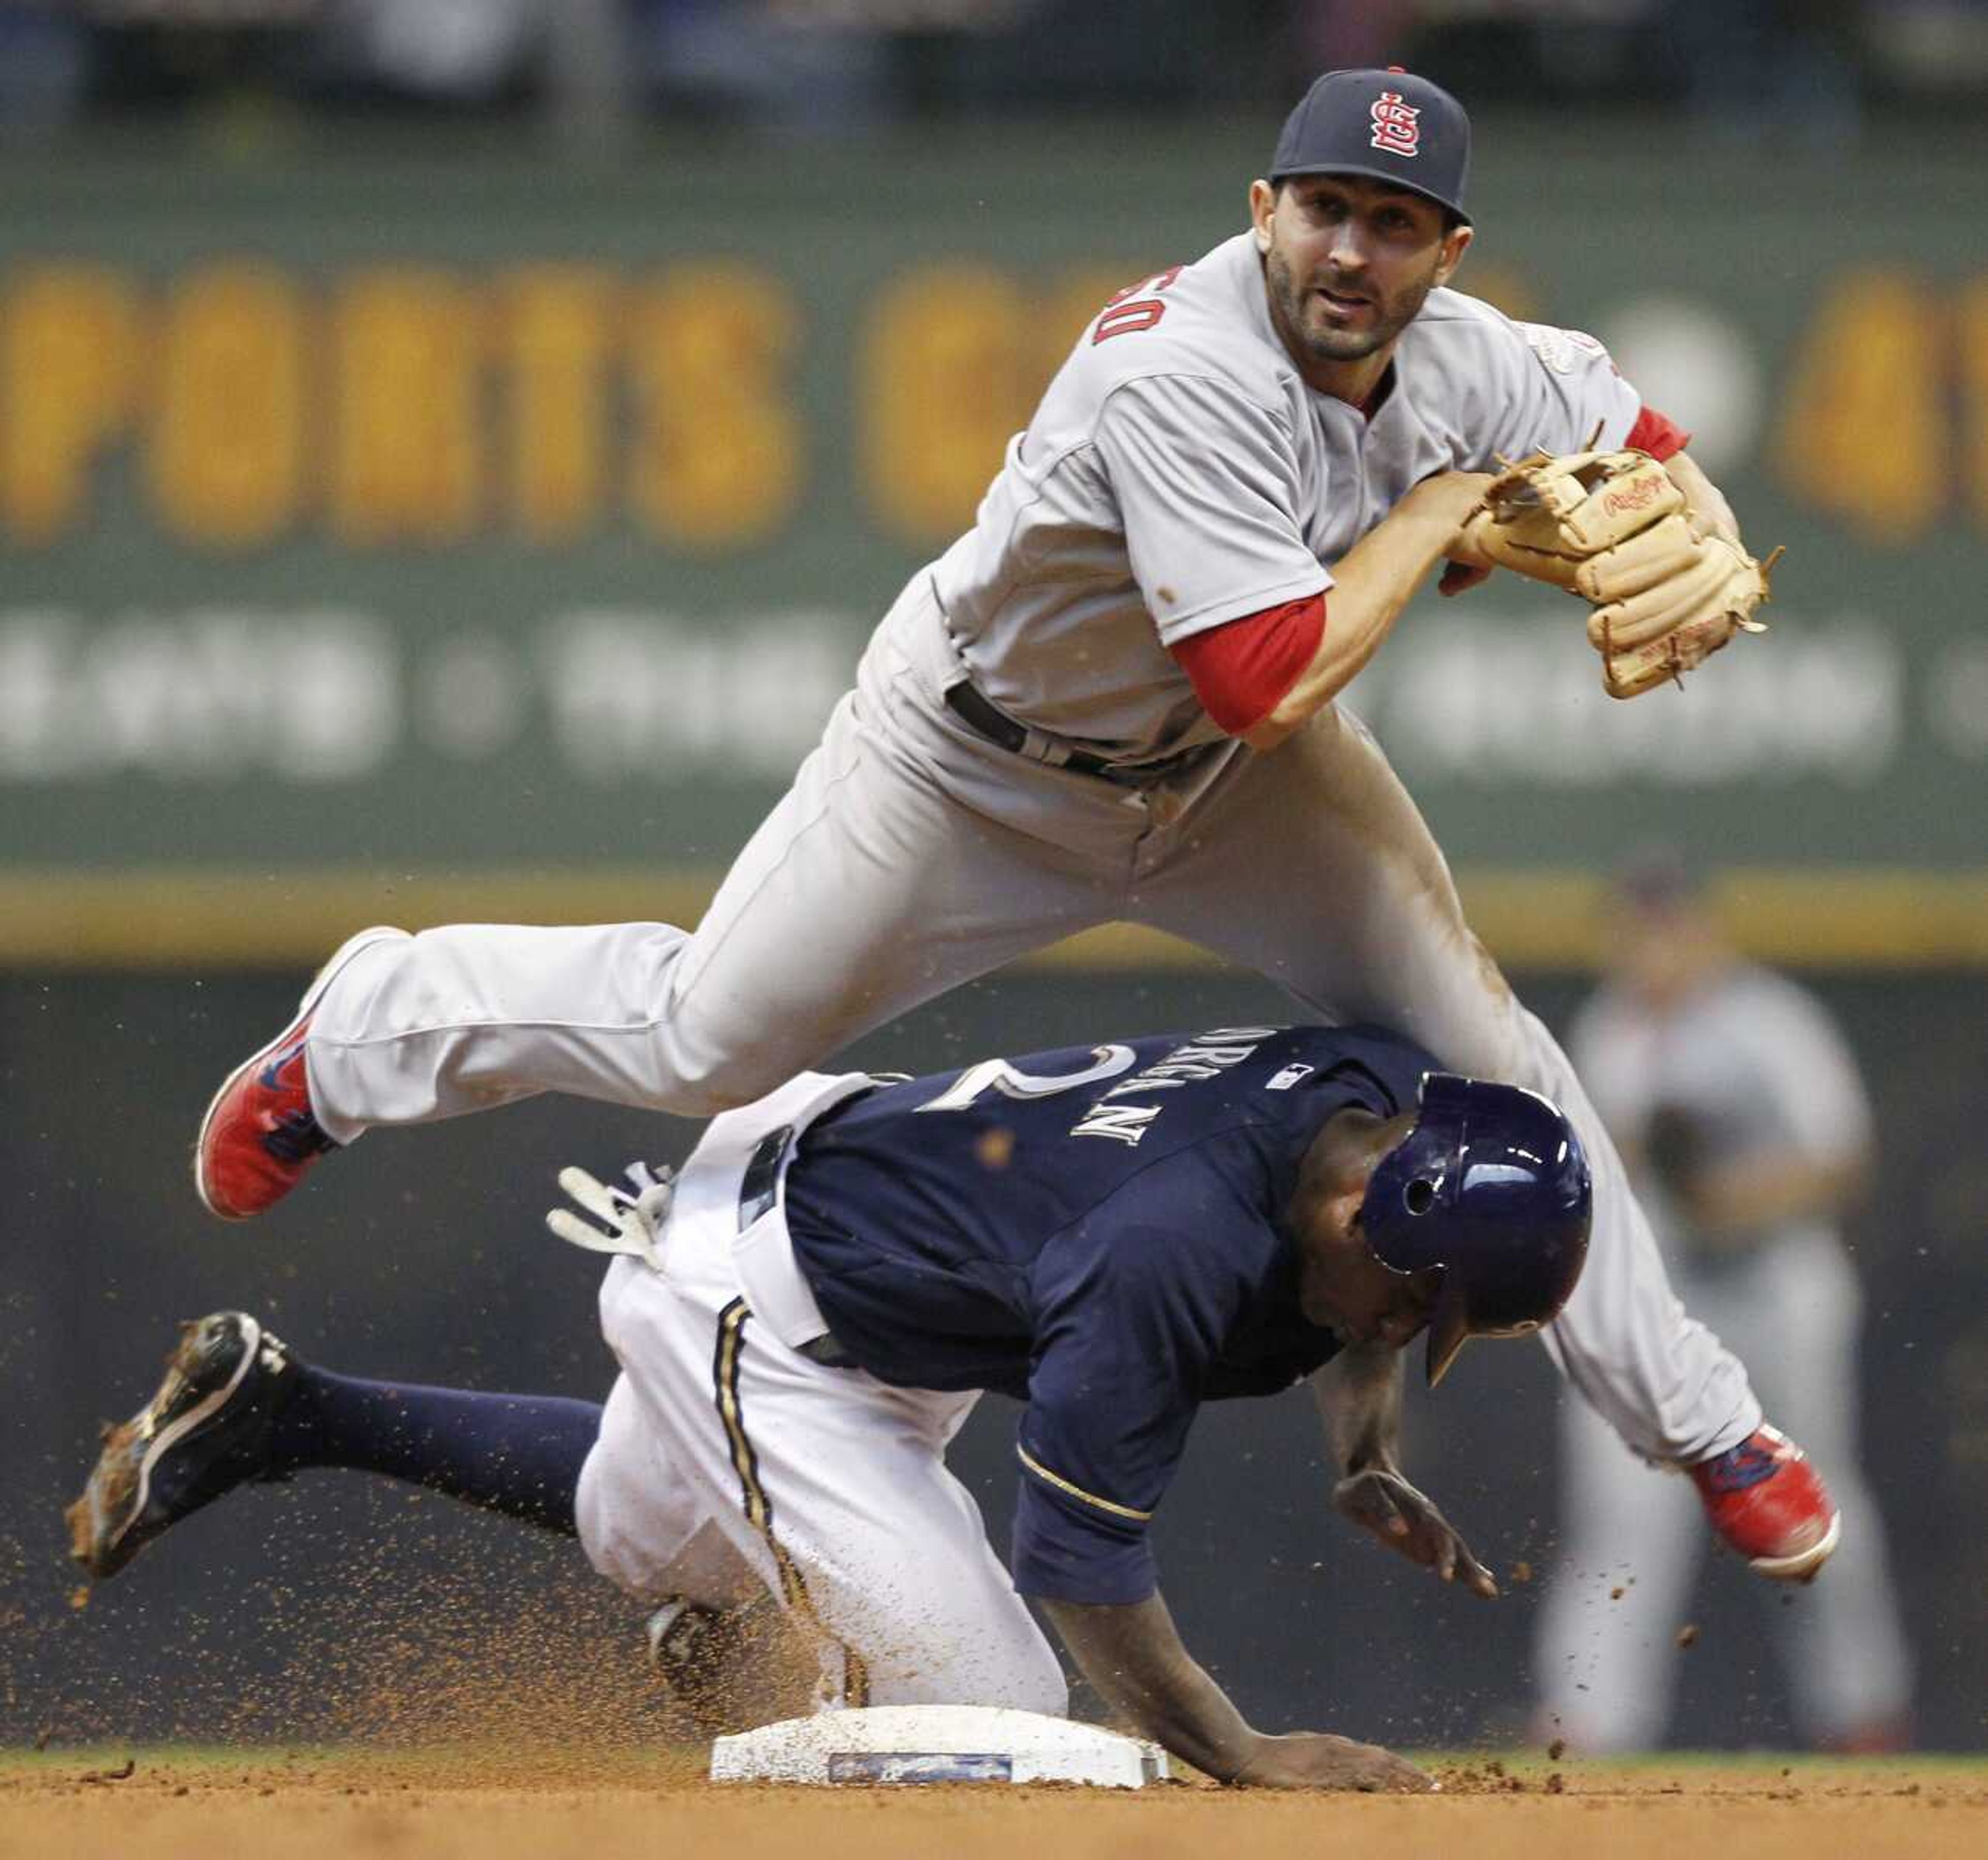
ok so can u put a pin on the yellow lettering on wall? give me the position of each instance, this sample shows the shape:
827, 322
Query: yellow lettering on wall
557, 328
719, 450
226, 461
1973, 337
406, 462
1864, 429
68, 346
947, 371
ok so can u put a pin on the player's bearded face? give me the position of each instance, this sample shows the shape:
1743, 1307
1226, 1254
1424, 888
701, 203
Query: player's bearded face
1335, 314
1349, 263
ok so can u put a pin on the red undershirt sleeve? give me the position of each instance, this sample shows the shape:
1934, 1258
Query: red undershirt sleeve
1240, 670
1658, 434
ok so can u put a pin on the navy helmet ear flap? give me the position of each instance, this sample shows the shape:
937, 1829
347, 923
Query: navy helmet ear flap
1491, 1185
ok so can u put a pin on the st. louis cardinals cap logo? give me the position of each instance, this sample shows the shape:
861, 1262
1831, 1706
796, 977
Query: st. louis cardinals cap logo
1396, 124
1389, 124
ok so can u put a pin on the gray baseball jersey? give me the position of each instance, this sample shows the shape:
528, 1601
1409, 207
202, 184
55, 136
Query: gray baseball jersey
1762, 1070
1179, 473
1751, 1055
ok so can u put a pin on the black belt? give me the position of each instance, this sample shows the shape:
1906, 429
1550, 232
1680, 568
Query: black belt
759, 1189
1001, 729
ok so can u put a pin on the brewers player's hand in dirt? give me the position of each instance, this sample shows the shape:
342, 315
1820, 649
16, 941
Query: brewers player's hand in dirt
1113, 1235
1115, 699
1359, 1397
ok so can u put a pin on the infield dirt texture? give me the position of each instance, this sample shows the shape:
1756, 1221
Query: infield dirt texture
538, 1804
516, 1733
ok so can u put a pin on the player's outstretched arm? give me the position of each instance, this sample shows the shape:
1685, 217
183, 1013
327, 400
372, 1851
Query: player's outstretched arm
1359, 1395
1371, 584
1131, 1652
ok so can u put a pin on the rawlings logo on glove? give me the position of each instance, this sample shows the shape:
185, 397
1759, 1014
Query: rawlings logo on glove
1613, 528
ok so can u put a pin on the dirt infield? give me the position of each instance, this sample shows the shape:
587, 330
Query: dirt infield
489, 1805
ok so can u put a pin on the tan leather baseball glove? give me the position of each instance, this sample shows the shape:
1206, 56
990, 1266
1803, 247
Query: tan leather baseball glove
1613, 528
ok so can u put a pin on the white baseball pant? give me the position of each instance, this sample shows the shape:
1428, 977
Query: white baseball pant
911, 855
723, 1452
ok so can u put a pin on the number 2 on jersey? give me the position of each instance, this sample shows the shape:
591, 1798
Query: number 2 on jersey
1128, 312
997, 1075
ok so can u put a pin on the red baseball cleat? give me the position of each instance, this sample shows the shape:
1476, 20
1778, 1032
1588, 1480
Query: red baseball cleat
1768, 1503
260, 1133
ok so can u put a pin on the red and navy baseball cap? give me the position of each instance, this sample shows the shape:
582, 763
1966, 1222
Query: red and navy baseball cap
1390, 125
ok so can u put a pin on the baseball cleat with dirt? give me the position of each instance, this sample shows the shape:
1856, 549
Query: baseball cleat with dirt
205, 1431
690, 1645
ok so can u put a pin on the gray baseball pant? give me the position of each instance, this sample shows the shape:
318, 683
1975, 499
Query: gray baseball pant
911, 856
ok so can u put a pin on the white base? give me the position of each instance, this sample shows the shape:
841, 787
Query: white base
936, 1743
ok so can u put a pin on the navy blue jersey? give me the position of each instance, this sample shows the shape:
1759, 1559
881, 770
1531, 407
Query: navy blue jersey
1098, 1231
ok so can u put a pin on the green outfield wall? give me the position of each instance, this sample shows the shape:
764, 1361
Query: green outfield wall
495, 535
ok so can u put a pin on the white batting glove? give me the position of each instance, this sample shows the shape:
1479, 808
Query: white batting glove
633, 1217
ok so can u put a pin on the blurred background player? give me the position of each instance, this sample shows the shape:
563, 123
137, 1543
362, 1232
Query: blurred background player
1739, 1112
1113, 1235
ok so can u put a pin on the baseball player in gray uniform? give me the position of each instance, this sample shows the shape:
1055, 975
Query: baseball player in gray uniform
1746, 1131
1113, 699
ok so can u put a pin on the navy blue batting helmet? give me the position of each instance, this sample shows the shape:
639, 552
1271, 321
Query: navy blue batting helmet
1491, 1186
